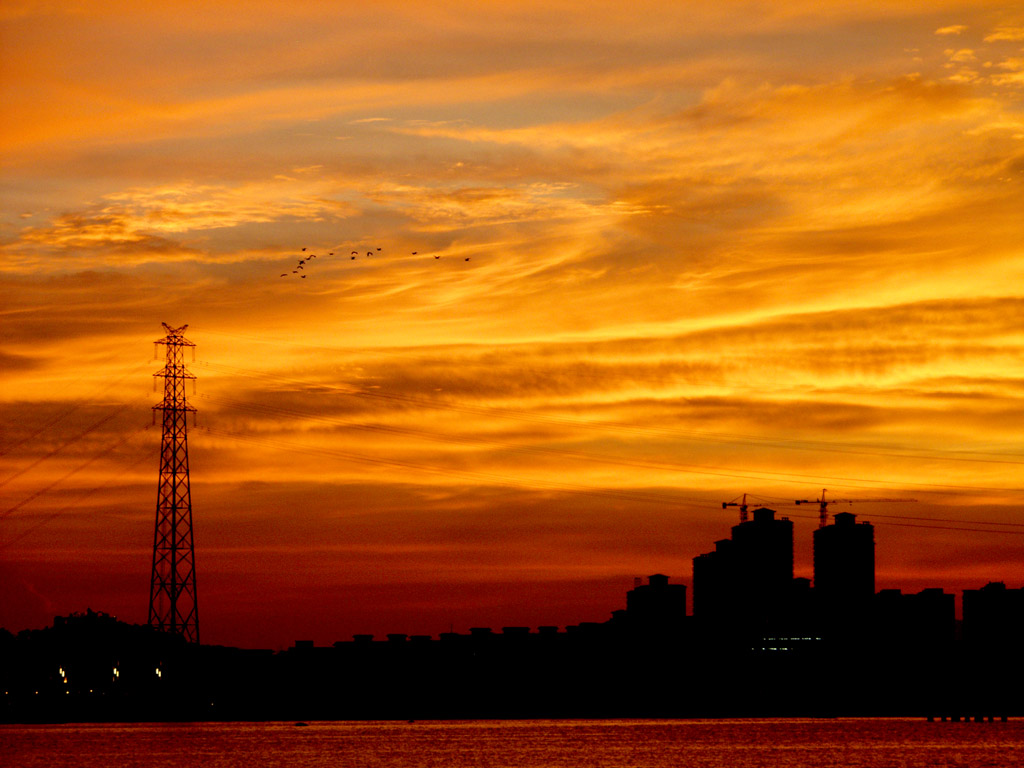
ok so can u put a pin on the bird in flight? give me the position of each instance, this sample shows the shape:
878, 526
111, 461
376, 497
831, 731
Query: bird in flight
307, 258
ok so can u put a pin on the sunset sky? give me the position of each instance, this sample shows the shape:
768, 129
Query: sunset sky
667, 253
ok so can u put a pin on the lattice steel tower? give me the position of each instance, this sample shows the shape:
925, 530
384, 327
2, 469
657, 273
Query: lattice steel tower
173, 606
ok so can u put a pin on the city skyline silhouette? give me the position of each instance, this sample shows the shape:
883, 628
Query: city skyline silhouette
760, 642
495, 306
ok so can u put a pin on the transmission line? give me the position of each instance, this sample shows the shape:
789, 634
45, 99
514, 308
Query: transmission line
88, 430
104, 451
789, 443
68, 507
709, 470
71, 409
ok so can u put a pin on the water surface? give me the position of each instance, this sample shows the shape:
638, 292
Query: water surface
789, 743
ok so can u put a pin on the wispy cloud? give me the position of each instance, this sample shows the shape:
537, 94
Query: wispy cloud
1011, 33
632, 259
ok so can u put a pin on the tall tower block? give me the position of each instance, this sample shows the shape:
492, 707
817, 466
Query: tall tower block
844, 563
747, 582
844, 583
173, 606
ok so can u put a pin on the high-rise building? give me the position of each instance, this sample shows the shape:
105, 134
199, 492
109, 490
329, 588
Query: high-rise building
747, 580
764, 552
714, 587
844, 563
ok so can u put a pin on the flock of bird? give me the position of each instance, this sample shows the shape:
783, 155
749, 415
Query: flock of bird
305, 260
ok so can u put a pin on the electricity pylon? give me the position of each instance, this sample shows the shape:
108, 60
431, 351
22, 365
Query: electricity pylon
173, 606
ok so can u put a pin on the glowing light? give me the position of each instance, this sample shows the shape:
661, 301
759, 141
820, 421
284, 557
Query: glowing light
660, 304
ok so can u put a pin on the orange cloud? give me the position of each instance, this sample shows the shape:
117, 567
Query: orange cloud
681, 253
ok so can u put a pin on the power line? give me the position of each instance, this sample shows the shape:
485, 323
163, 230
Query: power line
76, 470
90, 399
587, 490
68, 507
709, 470
936, 527
92, 428
872, 515
533, 417
471, 474
536, 450
731, 438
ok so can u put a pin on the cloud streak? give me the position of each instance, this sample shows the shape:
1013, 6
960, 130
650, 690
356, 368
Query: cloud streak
634, 262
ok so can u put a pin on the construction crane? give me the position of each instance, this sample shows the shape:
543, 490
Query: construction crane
823, 505
737, 503
741, 502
